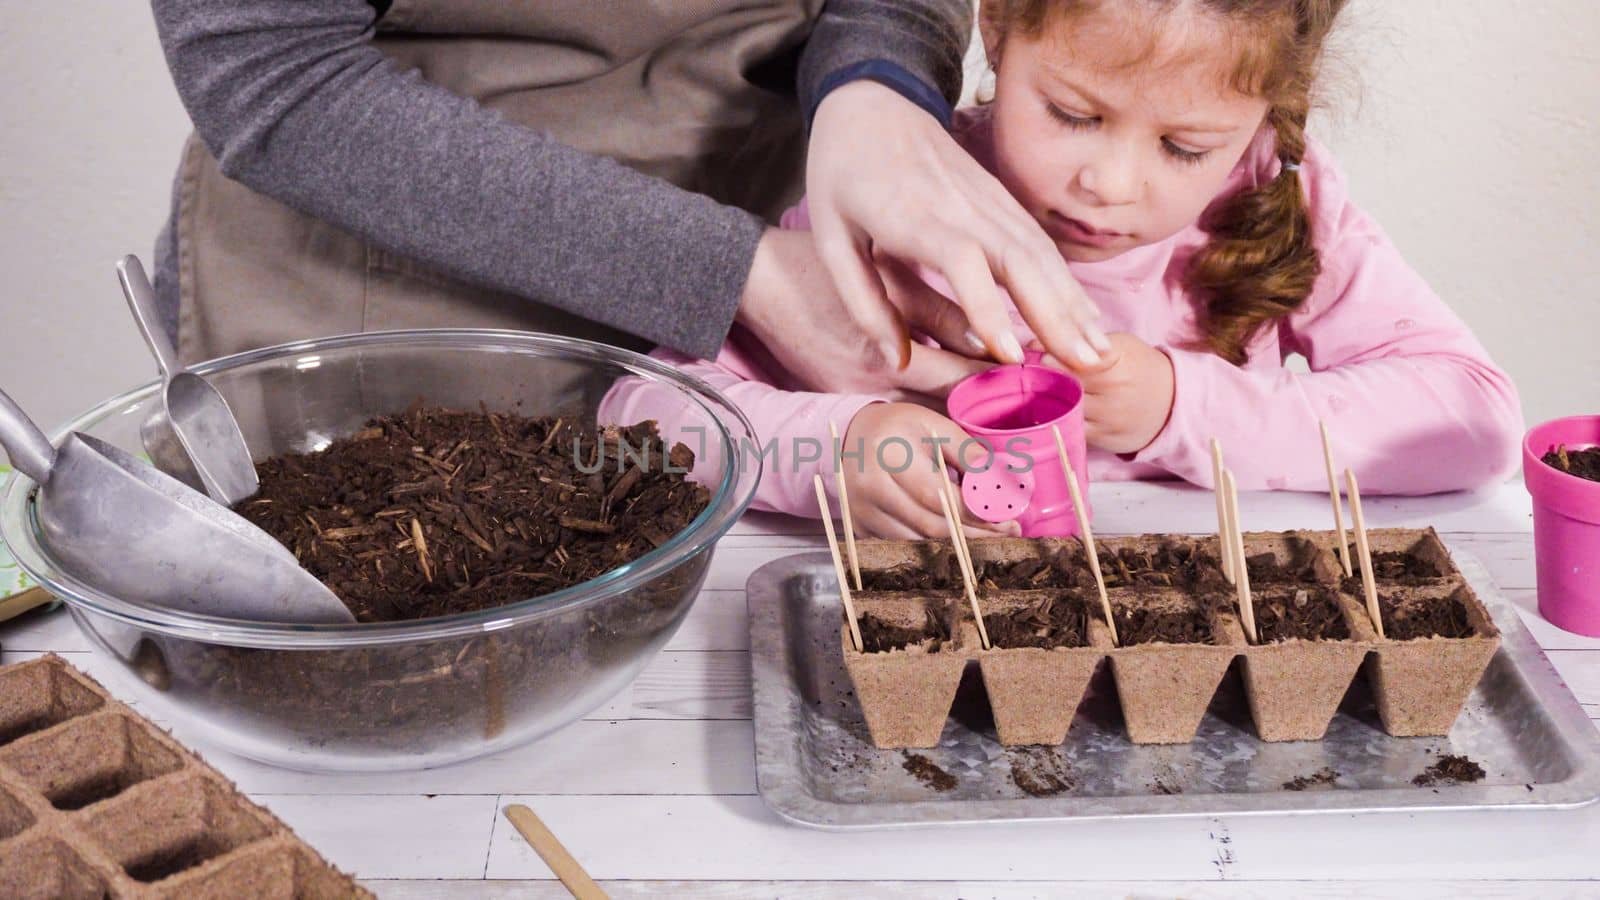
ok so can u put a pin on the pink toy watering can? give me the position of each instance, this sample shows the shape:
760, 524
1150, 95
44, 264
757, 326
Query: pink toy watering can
1011, 409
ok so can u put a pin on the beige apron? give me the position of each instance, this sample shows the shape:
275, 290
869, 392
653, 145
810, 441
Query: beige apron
664, 87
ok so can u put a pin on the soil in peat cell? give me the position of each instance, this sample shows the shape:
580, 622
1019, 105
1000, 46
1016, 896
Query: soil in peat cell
1393, 567
1055, 620
1187, 624
1309, 612
1408, 617
938, 572
878, 635
1172, 563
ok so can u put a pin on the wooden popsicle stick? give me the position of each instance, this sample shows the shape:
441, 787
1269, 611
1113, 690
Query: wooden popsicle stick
838, 564
1241, 584
1222, 512
965, 549
844, 509
1225, 528
1333, 494
1086, 531
948, 488
967, 577
544, 842
1364, 550
17, 604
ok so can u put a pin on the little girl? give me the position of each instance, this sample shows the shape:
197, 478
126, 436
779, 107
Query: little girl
1161, 144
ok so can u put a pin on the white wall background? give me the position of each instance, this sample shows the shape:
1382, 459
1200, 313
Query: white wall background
1468, 128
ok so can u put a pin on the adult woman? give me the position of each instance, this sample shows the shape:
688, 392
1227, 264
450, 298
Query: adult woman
595, 169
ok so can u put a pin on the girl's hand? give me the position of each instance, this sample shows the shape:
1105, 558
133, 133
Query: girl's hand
1126, 401
890, 498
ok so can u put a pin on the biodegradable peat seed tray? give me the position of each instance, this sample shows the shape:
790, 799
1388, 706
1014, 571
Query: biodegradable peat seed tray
95, 801
1179, 625
1185, 716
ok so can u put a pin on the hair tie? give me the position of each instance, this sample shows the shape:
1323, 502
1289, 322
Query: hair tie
1289, 166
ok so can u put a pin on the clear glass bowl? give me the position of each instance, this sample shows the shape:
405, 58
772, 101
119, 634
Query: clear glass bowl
404, 695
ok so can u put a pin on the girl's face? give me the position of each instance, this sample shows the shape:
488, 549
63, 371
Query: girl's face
1116, 128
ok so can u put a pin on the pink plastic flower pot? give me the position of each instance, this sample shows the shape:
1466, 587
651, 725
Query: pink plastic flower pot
1566, 526
1011, 409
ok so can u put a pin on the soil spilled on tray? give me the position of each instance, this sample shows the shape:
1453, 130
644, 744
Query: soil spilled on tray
1321, 777
1450, 769
1040, 771
928, 772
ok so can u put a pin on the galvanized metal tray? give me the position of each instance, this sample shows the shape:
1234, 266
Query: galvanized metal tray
815, 765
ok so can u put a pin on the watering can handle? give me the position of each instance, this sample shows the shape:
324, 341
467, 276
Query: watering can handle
142, 300
25, 444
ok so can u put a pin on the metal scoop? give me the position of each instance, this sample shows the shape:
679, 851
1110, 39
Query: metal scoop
132, 532
192, 434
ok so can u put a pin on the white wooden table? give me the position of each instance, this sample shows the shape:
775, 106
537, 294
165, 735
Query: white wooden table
655, 794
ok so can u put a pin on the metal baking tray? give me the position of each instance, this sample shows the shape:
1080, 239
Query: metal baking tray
815, 765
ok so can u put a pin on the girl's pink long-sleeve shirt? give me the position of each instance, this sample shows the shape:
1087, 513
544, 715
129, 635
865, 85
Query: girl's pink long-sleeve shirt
1412, 401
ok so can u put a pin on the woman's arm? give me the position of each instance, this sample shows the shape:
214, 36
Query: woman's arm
912, 46
296, 103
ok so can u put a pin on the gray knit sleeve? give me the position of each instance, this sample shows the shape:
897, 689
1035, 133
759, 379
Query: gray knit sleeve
923, 39
296, 103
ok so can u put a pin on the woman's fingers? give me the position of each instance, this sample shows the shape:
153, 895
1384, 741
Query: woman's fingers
934, 372
849, 264
967, 269
929, 312
1053, 304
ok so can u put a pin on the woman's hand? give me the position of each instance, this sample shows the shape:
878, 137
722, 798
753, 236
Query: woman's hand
893, 482
791, 307
1127, 400
884, 179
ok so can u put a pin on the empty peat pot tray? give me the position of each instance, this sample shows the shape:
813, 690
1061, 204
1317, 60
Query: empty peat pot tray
1453, 705
95, 801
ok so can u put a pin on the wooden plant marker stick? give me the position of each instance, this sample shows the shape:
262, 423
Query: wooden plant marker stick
1226, 527
948, 489
1333, 494
1087, 532
1364, 550
17, 604
1224, 550
844, 509
1247, 608
544, 842
954, 525
838, 564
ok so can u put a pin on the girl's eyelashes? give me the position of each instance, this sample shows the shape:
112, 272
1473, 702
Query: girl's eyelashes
1076, 123
1189, 157
1083, 123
